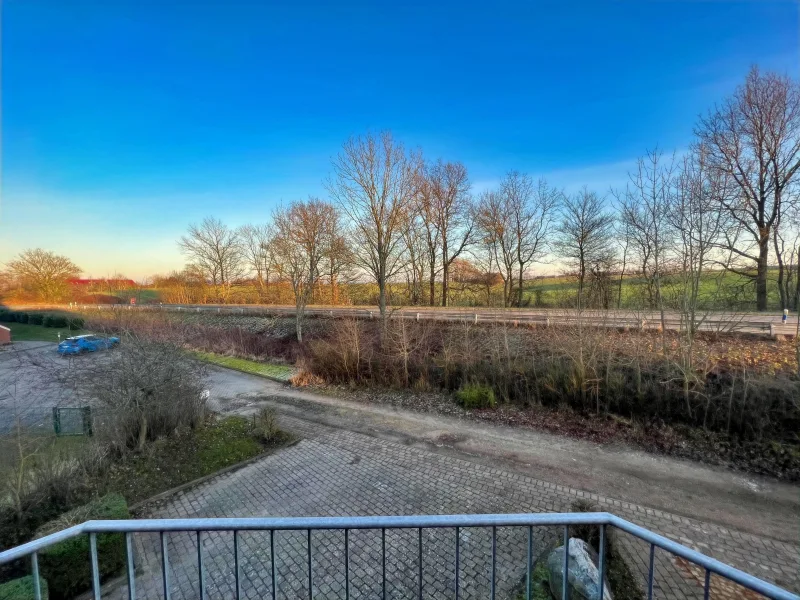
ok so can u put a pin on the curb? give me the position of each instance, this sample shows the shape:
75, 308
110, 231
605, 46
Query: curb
137, 506
270, 377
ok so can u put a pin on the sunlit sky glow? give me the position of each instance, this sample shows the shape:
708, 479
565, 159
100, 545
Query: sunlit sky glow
124, 121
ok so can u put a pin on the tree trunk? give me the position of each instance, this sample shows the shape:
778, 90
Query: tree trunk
445, 283
761, 275
142, 432
382, 298
432, 283
519, 291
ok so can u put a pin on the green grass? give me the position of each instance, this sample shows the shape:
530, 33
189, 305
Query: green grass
280, 372
169, 462
719, 290
23, 332
143, 296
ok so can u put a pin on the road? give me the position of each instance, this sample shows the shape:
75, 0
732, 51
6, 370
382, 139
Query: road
769, 324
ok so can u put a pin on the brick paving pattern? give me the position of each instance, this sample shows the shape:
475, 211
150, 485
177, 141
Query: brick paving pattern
332, 472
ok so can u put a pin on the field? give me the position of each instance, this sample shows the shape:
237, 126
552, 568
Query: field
23, 332
719, 290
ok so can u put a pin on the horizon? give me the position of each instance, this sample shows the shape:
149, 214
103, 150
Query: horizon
131, 122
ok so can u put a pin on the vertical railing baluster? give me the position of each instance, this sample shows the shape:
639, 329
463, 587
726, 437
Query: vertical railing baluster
602, 561
95, 568
37, 587
529, 566
707, 586
420, 562
458, 558
650, 572
494, 560
200, 568
310, 582
346, 564
130, 568
272, 563
565, 574
236, 566
164, 566
383, 563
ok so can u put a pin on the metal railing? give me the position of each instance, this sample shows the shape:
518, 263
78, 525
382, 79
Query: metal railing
722, 321
419, 523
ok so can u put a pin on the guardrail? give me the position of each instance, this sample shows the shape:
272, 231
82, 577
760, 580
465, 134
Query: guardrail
455, 522
718, 322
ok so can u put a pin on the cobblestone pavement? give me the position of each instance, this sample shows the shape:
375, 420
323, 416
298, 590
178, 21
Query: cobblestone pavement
333, 472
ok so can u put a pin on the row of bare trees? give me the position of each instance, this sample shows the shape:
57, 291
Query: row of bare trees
393, 218
730, 202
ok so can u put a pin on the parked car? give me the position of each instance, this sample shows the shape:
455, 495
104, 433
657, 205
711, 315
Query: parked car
86, 343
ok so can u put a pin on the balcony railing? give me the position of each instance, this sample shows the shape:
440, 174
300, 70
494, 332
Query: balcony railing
418, 524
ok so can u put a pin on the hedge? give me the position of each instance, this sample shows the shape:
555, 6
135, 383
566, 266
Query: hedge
35, 318
66, 565
76, 323
21, 317
51, 320
22, 589
6, 316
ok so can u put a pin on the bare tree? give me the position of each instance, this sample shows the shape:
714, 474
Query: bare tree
302, 235
532, 212
584, 236
643, 208
694, 215
374, 182
424, 215
417, 256
215, 250
448, 215
754, 139
338, 257
496, 237
256, 253
43, 273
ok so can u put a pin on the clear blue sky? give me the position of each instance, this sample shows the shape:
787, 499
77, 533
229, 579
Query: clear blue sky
123, 121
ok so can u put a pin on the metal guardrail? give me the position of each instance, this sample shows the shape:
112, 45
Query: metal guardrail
718, 321
309, 524
713, 322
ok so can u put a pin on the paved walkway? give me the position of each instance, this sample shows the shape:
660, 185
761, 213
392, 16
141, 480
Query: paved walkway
335, 472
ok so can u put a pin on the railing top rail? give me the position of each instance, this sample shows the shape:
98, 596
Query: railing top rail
401, 522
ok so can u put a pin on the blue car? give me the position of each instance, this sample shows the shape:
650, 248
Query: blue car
86, 343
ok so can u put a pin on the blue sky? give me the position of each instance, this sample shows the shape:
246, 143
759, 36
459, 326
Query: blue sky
123, 121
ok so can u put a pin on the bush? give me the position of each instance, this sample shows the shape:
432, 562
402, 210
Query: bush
265, 426
66, 565
22, 589
473, 395
151, 388
35, 318
76, 323
50, 320
21, 317
6, 316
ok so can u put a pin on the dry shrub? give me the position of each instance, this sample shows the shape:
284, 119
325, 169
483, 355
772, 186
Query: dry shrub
148, 389
636, 375
305, 378
265, 426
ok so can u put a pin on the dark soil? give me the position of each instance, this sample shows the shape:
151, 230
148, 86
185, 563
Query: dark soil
764, 458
